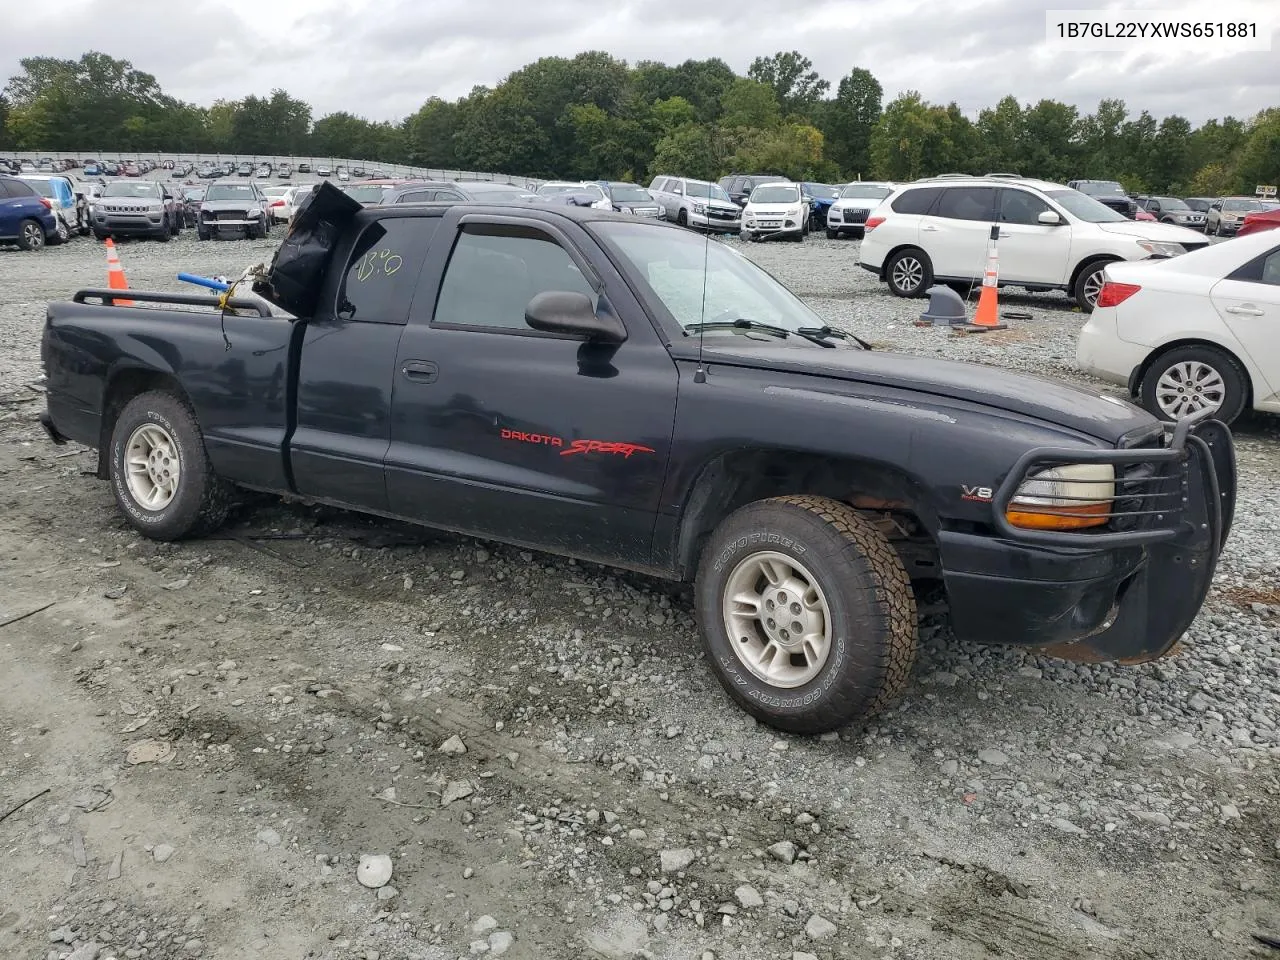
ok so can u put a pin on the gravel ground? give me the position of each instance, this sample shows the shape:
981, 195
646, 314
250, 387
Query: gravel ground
234, 732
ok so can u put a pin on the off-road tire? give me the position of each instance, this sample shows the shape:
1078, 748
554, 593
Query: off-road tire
203, 499
872, 611
682, 217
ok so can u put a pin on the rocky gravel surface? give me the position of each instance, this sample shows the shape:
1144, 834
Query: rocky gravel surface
318, 735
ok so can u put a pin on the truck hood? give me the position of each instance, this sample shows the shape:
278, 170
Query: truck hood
216, 205
1075, 408
1162, 232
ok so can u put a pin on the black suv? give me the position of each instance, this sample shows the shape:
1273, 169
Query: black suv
739, 185
1108, 193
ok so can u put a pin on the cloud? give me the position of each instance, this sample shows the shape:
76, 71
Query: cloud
383, 58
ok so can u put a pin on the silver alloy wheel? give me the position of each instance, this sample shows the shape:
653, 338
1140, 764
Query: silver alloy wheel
1188, 387
33, 235
151, 459
1093, 287
777, 618
908, 273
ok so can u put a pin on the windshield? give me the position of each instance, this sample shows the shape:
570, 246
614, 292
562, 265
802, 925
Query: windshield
1250, 205
864, 191
123, 188
1170, 203
366, 192
708, 191
230, 191
1101, 188
630, 193
675, 265
276, 191
1084, 208
776, 194
821, 191
193, 195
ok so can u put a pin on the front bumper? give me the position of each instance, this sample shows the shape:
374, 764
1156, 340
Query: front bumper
125, 225
1127, 593
706, 222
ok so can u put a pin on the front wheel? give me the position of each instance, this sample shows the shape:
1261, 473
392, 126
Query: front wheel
832, 234
1186, 380
806, 613
160, 473
909, 273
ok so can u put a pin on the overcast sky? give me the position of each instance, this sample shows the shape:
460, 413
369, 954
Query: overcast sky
382, 58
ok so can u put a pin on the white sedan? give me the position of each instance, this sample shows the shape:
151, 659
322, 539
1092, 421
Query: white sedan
1193, 331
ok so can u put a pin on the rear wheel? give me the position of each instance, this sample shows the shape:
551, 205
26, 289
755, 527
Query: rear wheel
30, 235
909, 273
160, 473
806, 613
1088, 285
682, 217
1186, 380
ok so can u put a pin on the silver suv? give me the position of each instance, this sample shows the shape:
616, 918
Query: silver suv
696, 203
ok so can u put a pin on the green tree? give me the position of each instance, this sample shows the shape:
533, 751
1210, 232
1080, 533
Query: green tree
848, 122
1260, 158
1002, 131
5, 134
795, 83
1101, 140
1170, 155
429, 135
749, 103
1213, 180
687, 151
1049, 147
900, 142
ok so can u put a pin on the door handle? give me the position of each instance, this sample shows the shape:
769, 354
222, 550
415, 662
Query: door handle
420, 371
1247, 309
1003, 236
929, 228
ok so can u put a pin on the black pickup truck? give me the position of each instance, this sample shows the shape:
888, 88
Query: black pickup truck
622, 391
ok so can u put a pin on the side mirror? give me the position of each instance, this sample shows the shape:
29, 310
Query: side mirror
565, 311
1049, 218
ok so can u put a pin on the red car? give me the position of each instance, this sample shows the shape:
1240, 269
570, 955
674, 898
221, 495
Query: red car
131, 170
1257, 222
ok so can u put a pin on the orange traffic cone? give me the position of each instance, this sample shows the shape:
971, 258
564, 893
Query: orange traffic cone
115, 274
986, 318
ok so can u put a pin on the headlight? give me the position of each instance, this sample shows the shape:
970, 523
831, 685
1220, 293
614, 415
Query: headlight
254, 212
1067, 497
699, 208
1158, 249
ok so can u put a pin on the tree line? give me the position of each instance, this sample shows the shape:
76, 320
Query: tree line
593, 116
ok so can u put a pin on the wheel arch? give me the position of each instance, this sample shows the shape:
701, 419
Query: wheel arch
122, 386
736, 478
1089, 261
893, 252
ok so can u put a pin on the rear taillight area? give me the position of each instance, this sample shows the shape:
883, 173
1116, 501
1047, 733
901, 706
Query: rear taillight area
277, 203
48, 204
872, 223
1113, 294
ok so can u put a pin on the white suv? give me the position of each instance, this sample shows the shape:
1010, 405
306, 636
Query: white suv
1050, 236
848, 215
776, 210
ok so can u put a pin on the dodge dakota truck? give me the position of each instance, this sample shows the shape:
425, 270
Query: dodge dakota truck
618, 390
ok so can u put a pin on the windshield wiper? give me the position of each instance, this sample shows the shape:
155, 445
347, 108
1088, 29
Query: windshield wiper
821, 334
739, 324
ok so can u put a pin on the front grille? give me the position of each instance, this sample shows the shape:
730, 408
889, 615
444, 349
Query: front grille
715, 214
231, 215
645, 211
135, 211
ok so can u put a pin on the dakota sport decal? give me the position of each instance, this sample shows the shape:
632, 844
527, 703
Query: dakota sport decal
614, 447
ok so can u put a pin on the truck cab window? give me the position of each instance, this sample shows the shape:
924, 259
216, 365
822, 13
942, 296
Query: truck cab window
382, 270
491, 278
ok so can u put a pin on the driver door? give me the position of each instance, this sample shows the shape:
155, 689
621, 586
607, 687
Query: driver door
503, 431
